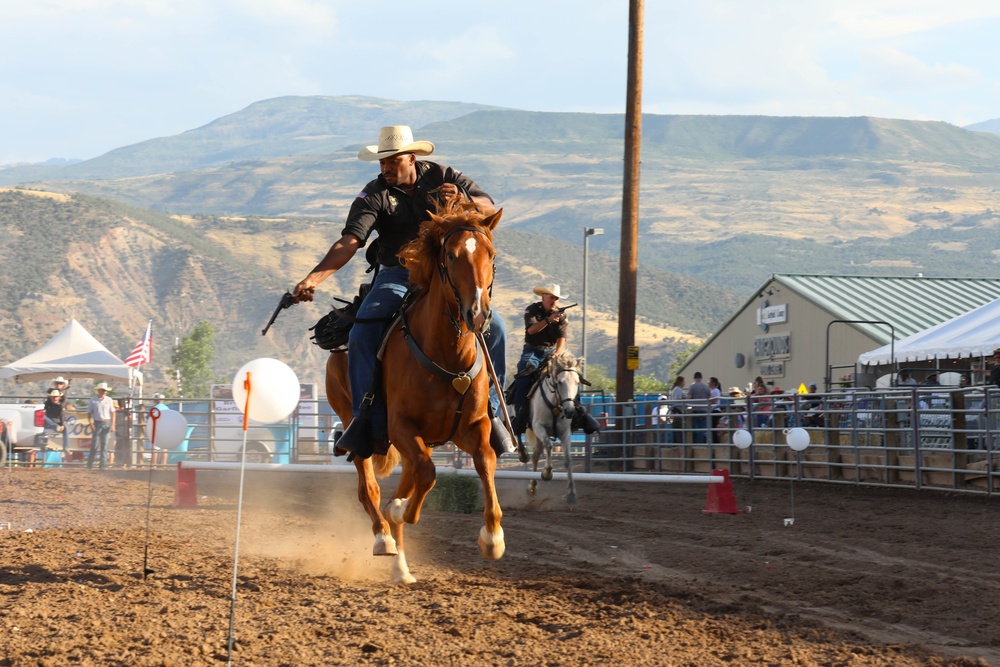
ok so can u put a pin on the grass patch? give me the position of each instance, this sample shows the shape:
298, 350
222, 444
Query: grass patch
454, 493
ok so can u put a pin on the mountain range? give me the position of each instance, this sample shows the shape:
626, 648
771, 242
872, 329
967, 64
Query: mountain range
216, 222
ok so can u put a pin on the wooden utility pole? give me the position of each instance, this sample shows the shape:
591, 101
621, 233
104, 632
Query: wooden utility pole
625, 379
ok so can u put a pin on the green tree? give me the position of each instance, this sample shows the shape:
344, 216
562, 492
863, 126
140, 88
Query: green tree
679, 360
193, 358
648, 384
597, 375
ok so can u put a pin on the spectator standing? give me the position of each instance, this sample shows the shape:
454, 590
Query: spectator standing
716, 399
661, 419
760, 405
699, 393
995, 371
677, 397
931, 381
904, 379
101, 411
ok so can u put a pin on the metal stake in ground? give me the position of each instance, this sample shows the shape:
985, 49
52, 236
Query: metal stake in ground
239, 516
154, 414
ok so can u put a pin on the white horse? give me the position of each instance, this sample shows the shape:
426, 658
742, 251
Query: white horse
552, 410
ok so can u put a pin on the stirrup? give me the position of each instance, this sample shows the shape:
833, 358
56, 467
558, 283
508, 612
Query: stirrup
499, 438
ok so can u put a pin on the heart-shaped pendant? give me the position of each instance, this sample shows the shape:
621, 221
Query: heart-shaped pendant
462, 383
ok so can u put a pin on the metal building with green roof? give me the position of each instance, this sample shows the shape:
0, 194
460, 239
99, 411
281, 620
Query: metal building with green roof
795, 324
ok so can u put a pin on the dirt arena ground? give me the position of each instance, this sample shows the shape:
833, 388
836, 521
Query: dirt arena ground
632, 575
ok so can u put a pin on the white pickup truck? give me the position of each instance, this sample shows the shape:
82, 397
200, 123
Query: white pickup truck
22, 422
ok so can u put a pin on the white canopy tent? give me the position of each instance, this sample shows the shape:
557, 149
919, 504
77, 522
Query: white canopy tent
72, 351
972, 334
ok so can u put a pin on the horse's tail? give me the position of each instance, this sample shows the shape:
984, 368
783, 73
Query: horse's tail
383, 465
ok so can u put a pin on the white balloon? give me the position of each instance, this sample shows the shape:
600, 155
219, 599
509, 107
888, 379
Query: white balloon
742, 438
167, 429
797, 438
274, 390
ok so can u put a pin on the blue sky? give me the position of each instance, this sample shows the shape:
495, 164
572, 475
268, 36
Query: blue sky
81, 77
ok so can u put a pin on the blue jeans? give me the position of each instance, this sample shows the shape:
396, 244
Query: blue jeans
531, 357
383, 301
52, 426
698, 426
99, 443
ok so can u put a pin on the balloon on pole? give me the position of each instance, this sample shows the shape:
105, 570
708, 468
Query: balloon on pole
797, 438
169, 428
742, 438
272, 387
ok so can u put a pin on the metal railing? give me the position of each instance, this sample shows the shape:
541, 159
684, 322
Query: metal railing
945, 438
915, 437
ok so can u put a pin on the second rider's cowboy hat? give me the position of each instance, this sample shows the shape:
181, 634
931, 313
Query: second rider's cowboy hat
101, 385
552, 290
393, 140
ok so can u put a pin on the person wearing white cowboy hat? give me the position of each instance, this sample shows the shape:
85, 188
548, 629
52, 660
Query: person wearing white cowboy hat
394, 205
101, 411
545, 327
53, 417
62, 384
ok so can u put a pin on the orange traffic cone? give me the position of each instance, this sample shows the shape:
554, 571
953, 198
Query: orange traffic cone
186, 488
720, 496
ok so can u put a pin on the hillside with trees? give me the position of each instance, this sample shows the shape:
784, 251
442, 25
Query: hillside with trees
215, 223
113, 267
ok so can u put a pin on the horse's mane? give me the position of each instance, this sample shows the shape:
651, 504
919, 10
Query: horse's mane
420, 255
564, 361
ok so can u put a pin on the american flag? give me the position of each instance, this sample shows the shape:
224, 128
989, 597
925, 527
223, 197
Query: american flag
143, 351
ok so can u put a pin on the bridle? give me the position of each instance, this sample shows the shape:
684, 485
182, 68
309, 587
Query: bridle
550, 378
447, 282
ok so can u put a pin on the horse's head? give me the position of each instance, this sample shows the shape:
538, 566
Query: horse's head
457, 245
565, 373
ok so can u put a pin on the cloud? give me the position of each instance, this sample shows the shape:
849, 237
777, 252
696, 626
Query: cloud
892, 70
877, 19
310, 17
472, 56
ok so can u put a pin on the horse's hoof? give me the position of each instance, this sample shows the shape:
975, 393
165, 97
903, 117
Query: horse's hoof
491, 546
571, 499
400, 570
384, 545
547, 474
404, 579
532, 487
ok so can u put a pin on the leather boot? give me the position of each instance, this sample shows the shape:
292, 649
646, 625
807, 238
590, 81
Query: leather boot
356, 440
521, 419
583, 420
500, 439
590, 425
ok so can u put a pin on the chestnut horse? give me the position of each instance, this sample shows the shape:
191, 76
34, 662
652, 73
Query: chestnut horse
435, 383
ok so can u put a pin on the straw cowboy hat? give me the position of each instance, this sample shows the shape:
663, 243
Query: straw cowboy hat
552, 290
59, 380
393, 140
55, 392
101, 385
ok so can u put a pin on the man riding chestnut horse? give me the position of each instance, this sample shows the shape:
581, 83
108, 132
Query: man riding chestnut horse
394, 205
